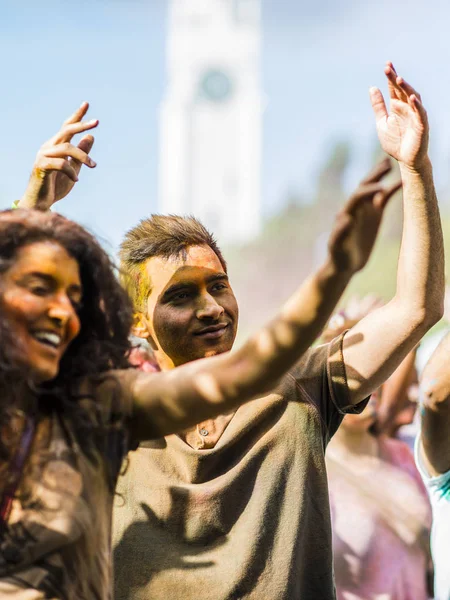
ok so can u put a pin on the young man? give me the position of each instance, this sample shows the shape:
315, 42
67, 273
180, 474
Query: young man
433, 458
237, 507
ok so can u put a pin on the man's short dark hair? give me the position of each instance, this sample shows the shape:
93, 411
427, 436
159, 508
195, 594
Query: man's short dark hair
160, 235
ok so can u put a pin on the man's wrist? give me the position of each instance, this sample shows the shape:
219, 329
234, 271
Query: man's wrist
330, 270
422, 169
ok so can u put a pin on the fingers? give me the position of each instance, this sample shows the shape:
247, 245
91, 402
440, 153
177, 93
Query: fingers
398, 87
67, 150
365, 192
378, 103
375, 193
58, 164
341, 229
73, 125
381, 200
86, 143
407, 88
416, 104
381, 169
78, 114
395, 92
69, 130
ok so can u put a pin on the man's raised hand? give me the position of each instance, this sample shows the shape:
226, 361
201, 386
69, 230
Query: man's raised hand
357, 224
58, 162
403, 132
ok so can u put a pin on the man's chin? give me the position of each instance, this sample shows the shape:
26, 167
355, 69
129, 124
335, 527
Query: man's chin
210, 353
219, 348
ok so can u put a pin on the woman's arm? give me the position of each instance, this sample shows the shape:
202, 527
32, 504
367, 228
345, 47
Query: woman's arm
435, 411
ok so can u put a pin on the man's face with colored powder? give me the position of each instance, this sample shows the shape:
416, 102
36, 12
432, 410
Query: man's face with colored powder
191, 310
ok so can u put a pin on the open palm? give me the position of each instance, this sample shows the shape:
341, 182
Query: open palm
403, 133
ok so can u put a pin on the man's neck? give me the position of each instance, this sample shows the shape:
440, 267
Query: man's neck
165, 363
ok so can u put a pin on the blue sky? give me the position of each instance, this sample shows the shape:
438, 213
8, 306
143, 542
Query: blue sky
319, 60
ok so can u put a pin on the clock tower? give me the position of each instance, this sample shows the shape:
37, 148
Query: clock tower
211, 116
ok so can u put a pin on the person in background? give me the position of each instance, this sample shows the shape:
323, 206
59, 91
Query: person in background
433, 457
382, 549
397, 396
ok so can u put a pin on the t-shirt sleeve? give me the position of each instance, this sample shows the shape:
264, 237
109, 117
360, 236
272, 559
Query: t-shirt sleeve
322, 379
439, 486
113, 395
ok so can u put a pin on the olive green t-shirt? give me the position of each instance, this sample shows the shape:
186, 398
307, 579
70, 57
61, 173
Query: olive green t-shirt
248, 518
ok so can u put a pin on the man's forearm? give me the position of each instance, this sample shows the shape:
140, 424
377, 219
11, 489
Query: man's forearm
420, 279
171, 401
389, 333
394, 394
279, 345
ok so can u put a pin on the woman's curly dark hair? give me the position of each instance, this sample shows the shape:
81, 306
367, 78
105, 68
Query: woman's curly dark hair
101, 345
106, 312
105, 315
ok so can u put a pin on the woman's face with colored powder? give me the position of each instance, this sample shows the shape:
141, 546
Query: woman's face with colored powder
41, 295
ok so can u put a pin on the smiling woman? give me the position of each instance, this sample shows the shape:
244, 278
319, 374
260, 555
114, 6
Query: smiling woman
41, 299
64, 320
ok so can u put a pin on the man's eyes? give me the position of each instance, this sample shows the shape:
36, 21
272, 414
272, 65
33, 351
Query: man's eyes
188, 294
219, 286
180, 296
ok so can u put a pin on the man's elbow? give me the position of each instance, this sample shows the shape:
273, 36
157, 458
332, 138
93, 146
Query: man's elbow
427, 316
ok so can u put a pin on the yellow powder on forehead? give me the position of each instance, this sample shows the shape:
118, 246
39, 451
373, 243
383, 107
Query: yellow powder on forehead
136, 282
142, 285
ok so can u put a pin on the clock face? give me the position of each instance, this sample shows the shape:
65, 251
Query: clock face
216, 85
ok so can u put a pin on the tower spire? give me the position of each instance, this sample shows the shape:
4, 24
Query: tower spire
210, 124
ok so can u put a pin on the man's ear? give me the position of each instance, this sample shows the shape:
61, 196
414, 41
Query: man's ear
139, 328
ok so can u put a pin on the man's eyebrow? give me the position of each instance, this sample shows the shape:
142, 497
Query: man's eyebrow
217, 277
176, 287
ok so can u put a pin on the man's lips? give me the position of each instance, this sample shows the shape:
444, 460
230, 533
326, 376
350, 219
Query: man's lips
212, 332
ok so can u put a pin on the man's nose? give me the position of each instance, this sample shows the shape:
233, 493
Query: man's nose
209, 308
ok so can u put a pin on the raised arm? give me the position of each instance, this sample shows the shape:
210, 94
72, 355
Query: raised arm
58, 163
375, 347
395, 394
435, 411
171, 401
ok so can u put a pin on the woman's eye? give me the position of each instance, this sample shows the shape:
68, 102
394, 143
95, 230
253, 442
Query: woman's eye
77, 304
39, 290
